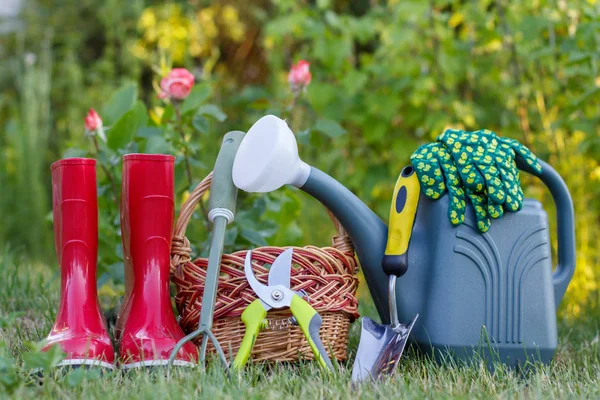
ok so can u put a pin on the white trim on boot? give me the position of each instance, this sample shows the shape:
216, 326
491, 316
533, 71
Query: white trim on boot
85, 361
157, 363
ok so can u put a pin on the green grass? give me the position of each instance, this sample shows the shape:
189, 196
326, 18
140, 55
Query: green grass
32, 291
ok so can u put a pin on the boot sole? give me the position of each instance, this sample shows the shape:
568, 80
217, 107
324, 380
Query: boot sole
76, 363
157, 363
88, 363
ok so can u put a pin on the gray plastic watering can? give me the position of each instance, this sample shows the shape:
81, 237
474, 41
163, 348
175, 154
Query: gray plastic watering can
493, 293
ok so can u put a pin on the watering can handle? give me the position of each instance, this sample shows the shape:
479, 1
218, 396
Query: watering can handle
565, 226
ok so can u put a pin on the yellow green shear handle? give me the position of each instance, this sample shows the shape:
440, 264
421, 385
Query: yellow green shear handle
307, 318
402, 218
252, 317
310, 323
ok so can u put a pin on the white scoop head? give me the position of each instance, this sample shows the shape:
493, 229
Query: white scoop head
268, 158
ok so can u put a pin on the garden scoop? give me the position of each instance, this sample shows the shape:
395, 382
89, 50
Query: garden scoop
221, 208
380, 345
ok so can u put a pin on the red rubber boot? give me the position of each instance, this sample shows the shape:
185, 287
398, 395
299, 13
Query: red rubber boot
148, 328
80, 328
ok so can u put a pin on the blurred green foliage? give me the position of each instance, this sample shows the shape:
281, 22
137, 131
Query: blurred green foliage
387, 76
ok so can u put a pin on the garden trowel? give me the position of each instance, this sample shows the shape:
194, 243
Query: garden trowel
381, 346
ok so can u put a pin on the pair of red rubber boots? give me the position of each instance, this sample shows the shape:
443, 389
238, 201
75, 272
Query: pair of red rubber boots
146, 329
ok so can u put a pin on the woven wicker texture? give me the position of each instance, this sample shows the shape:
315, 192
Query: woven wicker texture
327, 276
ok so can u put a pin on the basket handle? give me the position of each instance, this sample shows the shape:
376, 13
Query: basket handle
180, 247
181, 250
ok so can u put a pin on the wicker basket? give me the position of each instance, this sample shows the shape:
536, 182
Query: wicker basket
327, 275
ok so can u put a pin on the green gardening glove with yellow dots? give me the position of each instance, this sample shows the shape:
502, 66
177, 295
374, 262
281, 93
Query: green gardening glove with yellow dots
486, 164
438, 174
477, 165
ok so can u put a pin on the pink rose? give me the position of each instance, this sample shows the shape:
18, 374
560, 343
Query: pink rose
177, 85
92, 121
93, 124
299, 76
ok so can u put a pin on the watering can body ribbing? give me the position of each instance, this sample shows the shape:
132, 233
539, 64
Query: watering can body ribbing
491, 293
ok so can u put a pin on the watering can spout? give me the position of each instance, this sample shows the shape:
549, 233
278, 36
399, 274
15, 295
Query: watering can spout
367, 231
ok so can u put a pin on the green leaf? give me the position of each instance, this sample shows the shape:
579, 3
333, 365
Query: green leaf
253, 237
200, 123
122, 132
303, 136
45, 360
168, 113
329, 128
148, 132
322, 97
126, 127
196, 163
157, 145
212, 111
119, 103
197, 96
141, 114
75, 377
231, 235
293, 232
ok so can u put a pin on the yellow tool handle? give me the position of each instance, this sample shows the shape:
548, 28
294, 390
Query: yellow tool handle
402, 218
252, 317
310, 322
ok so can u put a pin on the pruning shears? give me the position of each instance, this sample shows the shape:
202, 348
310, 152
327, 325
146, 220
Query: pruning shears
277, 294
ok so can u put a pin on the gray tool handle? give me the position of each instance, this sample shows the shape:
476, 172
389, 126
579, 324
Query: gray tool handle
223, 196
223, 193
565, 220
